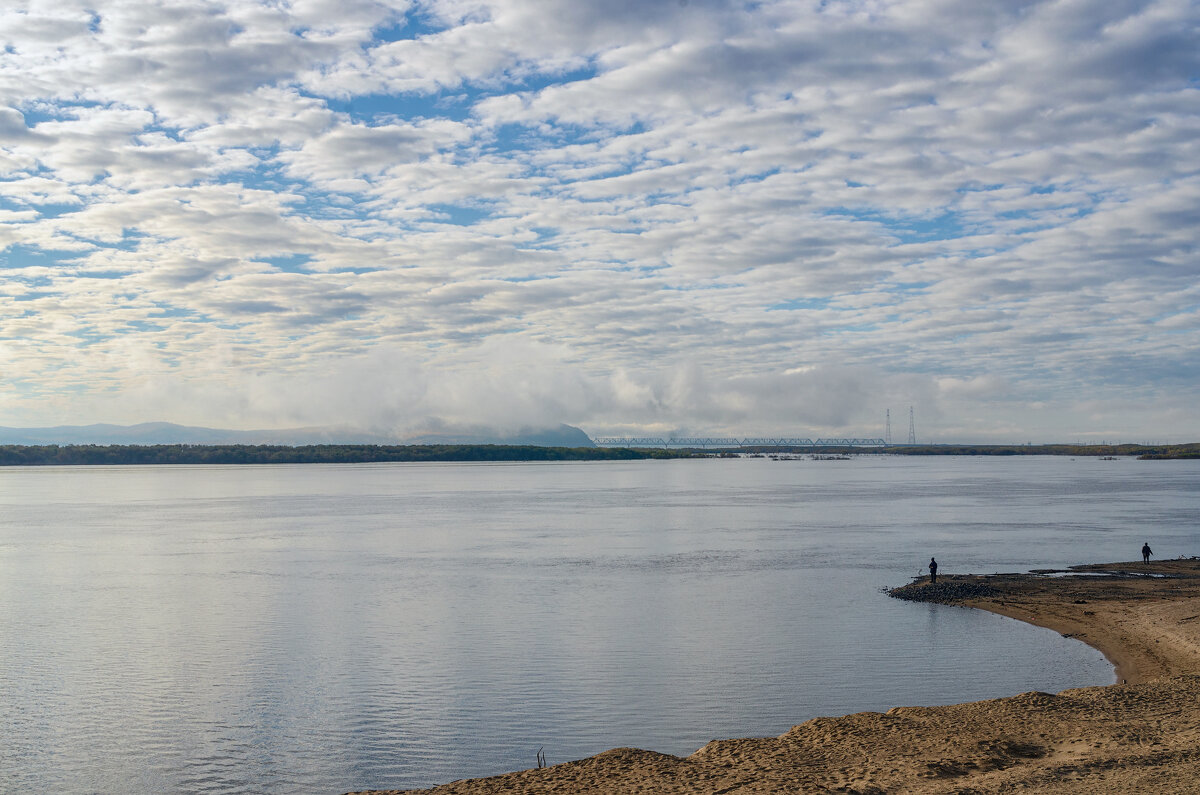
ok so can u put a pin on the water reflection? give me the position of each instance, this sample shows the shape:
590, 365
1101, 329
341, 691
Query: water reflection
287, 629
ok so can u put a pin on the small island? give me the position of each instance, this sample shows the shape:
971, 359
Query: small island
1140, 735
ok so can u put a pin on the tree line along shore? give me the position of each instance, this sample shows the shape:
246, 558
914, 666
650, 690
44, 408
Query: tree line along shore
93, 455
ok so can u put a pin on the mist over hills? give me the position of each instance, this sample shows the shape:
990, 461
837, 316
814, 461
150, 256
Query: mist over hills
151, 433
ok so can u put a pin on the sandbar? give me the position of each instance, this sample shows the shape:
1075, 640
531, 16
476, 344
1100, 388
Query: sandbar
1139, 735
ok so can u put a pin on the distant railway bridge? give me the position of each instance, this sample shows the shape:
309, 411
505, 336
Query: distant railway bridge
750, 442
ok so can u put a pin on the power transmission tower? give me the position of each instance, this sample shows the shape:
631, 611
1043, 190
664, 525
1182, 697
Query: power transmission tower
912, 429
887, 430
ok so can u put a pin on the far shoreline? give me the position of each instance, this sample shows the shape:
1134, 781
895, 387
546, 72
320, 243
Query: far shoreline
24, 455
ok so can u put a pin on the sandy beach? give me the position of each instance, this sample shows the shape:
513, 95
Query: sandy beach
1139, 735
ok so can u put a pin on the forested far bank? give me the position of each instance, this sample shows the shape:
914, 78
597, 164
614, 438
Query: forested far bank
92, 455
1144, 451
116, 454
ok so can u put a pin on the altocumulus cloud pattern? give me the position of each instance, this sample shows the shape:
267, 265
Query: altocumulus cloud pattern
639, 217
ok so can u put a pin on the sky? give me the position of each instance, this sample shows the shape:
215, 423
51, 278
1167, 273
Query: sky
687, 217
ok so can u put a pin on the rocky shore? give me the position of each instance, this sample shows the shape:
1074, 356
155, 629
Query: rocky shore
1139, 736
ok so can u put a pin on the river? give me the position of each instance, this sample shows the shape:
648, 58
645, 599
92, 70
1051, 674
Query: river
322, 628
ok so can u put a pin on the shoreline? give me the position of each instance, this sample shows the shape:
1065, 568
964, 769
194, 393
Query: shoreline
235, 453
1124, 610
1141, 734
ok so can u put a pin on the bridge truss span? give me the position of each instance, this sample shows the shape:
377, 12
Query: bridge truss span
632, 441
704, 442
784, 441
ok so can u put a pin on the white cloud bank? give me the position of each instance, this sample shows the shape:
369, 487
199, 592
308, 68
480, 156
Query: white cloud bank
781, 217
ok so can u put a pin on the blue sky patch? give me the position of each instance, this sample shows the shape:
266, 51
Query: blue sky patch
288, 263
795, 304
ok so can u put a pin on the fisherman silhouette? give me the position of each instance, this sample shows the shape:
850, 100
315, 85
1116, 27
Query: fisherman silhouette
932, 570
1146, 552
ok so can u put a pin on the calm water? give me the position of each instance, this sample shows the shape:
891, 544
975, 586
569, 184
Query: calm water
327, 628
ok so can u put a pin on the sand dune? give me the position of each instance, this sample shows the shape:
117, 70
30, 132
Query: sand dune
1139, 736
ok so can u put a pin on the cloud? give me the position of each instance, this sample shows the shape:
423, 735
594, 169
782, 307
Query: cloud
13, 128
642, 215
354, 150
508, 385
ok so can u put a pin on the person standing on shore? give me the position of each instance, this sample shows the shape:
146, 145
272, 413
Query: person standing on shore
1146, 552
932, 570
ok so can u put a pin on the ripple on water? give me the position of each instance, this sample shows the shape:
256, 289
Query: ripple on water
300, 629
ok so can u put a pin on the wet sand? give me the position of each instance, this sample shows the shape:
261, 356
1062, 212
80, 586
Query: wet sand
1140, 735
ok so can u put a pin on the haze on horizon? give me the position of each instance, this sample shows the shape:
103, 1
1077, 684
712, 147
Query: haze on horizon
636, 218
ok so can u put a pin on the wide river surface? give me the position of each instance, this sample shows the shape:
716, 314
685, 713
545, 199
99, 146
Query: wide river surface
325, 628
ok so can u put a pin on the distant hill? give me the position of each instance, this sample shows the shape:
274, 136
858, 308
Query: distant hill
151, 433
561, 436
